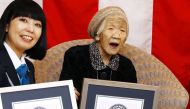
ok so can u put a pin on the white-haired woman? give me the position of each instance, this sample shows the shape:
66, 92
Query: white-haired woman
101, 59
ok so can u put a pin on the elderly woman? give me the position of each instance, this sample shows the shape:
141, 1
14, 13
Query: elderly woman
101, 59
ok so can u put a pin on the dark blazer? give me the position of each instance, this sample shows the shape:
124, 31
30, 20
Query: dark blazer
8, 75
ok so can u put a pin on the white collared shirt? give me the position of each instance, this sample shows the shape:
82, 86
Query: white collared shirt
14, 58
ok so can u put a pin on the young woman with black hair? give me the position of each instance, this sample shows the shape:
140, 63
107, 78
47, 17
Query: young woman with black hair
22, 34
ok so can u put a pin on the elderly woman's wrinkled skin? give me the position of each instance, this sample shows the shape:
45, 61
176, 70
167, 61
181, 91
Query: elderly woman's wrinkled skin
112, 38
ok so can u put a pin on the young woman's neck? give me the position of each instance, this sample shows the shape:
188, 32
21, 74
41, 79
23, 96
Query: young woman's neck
17, 51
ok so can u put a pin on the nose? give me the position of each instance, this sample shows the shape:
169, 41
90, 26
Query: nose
116, 34
30, 27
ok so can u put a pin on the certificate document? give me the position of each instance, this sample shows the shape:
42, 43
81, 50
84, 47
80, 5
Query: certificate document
45, 103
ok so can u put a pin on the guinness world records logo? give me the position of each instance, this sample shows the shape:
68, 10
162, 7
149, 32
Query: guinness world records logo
118, 106
39, 107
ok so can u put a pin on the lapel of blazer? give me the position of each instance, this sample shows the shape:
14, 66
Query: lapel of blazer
9, 67
31, 70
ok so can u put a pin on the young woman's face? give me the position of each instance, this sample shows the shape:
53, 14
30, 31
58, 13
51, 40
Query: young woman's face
113, 35
23, 33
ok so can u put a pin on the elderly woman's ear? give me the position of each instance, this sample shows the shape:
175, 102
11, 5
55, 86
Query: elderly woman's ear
97, 38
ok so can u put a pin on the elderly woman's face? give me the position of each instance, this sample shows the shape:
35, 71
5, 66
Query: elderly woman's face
113, 36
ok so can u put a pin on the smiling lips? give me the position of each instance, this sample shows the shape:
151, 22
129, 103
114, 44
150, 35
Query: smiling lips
26, 38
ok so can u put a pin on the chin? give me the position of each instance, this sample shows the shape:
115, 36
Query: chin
113, 52
27, 47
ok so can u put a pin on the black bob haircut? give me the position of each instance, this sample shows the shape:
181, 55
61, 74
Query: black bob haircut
25, 8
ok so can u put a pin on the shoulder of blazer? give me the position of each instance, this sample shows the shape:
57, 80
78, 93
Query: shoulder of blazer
8, 68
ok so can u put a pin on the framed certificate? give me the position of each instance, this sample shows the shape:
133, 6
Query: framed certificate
103, 94
52, 95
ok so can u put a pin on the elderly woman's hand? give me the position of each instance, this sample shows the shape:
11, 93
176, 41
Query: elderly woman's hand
77, 94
